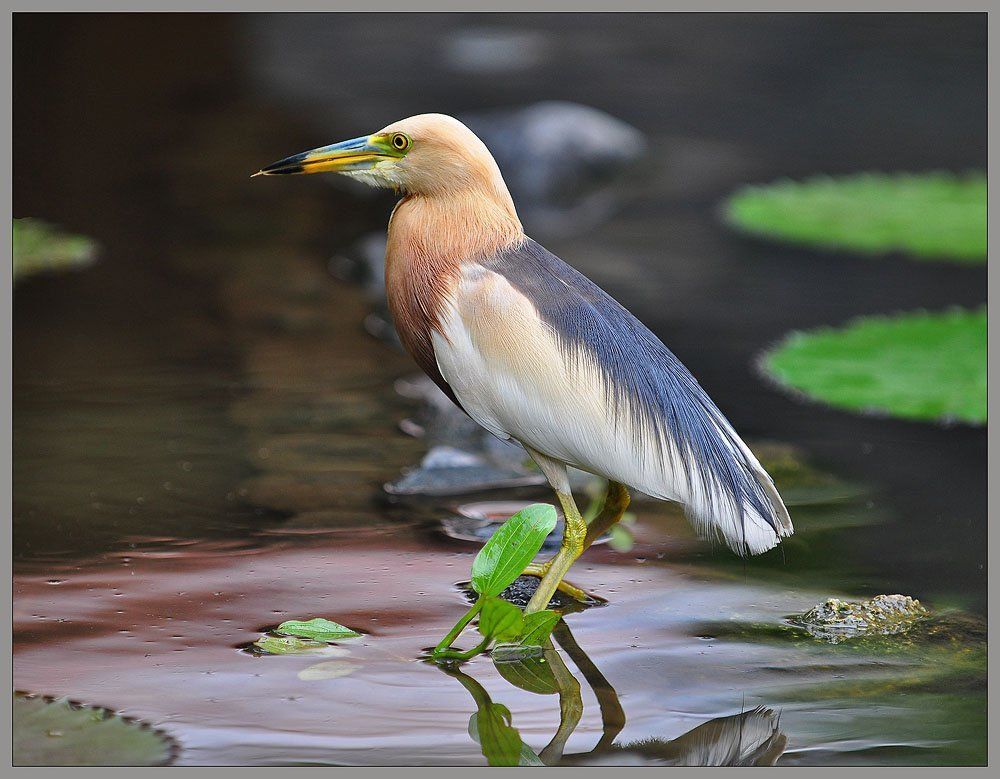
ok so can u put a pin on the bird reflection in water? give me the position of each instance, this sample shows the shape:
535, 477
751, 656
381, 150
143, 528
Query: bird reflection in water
748, 738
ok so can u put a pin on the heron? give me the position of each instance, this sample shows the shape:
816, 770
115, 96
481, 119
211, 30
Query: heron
536, 352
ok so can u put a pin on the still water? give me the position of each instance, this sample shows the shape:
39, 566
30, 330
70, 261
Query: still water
203, 426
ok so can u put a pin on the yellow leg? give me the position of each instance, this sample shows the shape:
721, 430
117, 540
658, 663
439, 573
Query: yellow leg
574, 536
616, 501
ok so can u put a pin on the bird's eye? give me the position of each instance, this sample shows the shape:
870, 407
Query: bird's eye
400, 141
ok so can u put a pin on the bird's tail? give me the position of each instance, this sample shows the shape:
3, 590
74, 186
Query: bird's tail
736, 501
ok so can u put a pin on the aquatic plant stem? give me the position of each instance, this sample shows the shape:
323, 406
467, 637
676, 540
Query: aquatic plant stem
446, 642
454, 654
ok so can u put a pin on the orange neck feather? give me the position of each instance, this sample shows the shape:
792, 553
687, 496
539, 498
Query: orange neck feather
430, 238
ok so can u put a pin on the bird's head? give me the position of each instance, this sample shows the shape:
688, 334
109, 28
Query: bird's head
428, 154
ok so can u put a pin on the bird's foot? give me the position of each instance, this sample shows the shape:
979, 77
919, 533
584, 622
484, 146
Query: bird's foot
569, 589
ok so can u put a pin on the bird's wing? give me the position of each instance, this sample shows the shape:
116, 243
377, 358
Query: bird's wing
536, 351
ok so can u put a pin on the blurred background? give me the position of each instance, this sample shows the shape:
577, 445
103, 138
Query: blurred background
205, 411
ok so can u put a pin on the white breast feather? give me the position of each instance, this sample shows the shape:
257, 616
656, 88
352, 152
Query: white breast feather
508, 370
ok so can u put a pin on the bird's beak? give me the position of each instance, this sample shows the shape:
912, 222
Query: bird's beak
356, 154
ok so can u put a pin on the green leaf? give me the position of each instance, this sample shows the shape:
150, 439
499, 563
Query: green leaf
290, 645
64, 734
929, 216
500, 741
533, 674
538, 627
511, 548
500, 620
928, 366
527, 755
318, 629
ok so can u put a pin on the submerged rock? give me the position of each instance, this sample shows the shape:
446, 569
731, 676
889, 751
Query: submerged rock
449, 471
463, 457
477, 522
523, 587
884, 615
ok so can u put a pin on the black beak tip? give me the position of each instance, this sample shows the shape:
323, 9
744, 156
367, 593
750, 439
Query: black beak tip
283, 167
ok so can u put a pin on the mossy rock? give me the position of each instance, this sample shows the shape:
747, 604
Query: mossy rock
835, 620
927, 216
884, 625
59, 732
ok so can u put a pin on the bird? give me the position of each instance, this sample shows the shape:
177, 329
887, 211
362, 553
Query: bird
535, 352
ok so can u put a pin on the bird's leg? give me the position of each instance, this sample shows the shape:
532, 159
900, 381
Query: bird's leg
616, 501
572, 546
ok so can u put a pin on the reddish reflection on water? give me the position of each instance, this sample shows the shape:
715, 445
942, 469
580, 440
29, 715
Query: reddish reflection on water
156, 630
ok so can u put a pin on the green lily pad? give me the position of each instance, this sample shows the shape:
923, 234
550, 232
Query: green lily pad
39, 246
926, 366
317, 629
57, 732
925, 215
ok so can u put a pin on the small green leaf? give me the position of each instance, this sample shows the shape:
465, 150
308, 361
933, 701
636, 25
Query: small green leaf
511, 548
500, 620
318, 629
533, 674
500, 741
538, 627
289, 645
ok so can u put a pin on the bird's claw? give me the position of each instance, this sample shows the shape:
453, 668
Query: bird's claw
569, 589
